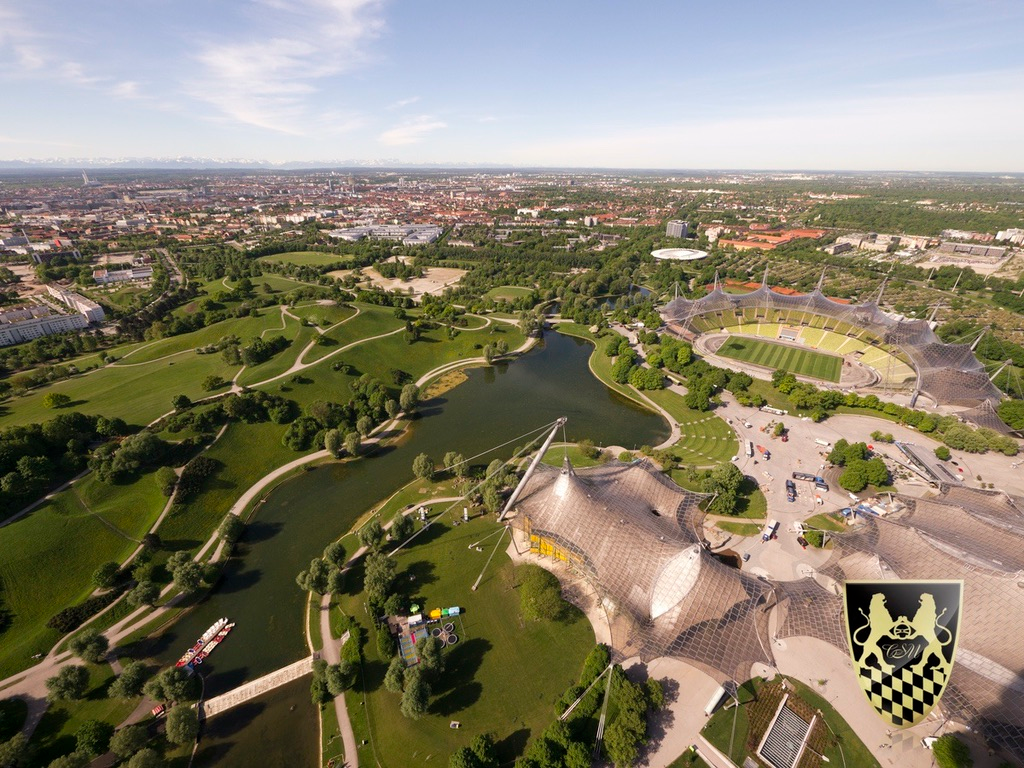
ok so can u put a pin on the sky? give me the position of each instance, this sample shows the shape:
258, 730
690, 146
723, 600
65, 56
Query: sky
673, 84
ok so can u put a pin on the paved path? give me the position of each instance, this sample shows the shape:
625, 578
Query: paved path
332, 655
258, 687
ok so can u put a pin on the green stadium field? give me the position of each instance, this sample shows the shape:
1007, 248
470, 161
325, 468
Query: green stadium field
803, 362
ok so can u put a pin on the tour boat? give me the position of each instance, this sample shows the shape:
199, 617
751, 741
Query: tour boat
206, 637
210, 646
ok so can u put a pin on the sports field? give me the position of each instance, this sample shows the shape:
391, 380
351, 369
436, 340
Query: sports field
803, 362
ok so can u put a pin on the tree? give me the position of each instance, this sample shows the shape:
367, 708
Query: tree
409, 398
395, 676
364, 425
56, 400
15, 752
942, 453
338, 678
212, 382
181, 402
188, 576
316, 578
333, 442
854, 478
950, 752
90, 646
423, 466
74, 760
230, 528
68, 684
129, 683
1012, 412
371, 535
182, 725
143, 593
780, 429
380, 575
431, 660
401, 527
455, 463
105, 576
166, 478
147, 758
92, 737
334, 553
129, 740
352, 440
463, 757
173, 684
540, 594
416, 697
392, 408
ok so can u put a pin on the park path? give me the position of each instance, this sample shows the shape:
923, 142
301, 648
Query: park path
332, 655
30, 684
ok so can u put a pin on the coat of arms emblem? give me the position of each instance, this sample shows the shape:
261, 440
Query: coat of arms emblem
902, 637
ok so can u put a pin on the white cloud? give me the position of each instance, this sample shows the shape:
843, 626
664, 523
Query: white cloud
411, 131
959, 123
404, 102
269, 79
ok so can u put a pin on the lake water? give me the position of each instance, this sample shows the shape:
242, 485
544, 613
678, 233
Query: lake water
305, 513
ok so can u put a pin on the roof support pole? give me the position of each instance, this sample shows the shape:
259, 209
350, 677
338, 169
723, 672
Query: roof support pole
533, 465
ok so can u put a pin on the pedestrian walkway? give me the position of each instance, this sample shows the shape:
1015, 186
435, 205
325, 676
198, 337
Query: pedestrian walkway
244, 693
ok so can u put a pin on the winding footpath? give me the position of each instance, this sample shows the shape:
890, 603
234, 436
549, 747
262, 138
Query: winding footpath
30, 684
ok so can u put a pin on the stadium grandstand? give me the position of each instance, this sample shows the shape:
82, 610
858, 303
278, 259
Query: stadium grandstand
906, 353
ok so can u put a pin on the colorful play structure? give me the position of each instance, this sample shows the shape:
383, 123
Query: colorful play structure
414, 629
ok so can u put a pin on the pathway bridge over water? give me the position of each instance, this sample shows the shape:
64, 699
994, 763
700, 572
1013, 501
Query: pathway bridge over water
251, 690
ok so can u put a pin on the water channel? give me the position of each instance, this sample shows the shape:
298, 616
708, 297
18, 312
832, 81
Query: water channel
301, 516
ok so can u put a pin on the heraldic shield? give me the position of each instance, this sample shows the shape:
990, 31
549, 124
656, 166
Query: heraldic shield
902, 637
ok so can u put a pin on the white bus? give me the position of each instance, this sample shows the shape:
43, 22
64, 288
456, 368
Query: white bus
750, 448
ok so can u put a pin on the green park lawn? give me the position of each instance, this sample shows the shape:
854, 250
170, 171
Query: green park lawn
740, 529
298, 334
47, 557
507, 292
504, 675
826, 522
55, 735
138, 394
803, 362
557, 452
371, 321
304, 258
324, 315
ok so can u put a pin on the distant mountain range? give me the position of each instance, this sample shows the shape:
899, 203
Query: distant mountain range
210, 163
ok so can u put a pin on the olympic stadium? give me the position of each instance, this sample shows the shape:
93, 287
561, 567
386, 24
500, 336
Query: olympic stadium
852, 346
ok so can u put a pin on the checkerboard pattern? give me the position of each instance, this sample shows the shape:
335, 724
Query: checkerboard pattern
904, 697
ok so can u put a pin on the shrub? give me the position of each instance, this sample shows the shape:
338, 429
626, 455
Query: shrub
540, 594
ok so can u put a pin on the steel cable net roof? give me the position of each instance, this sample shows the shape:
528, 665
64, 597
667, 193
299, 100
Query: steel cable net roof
948, 373
633, 534
948, 538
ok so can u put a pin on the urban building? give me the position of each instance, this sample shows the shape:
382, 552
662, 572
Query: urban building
93, 312
108, 276
677, 229
408, 234
27, 323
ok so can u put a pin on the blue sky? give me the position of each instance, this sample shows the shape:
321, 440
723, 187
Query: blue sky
869, 85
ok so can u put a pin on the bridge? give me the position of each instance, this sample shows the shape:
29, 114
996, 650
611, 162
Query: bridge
247, 691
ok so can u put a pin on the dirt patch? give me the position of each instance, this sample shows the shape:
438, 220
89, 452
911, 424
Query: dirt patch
446, 383
434, 280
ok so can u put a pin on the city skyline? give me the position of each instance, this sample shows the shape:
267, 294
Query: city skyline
919, 87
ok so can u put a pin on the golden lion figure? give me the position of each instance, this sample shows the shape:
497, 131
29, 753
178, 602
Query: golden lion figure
926, 625
879, 624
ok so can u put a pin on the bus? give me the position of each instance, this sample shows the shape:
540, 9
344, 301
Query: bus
750, 448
